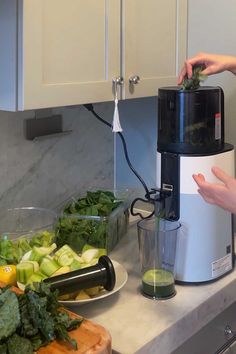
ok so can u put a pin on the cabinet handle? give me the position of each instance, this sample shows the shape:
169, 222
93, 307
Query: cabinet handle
118, 80
134, 80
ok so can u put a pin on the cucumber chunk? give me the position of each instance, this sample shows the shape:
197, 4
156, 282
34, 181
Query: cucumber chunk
48, 266
38, 253
23, 271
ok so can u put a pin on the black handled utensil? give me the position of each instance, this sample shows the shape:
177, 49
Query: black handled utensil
102, 273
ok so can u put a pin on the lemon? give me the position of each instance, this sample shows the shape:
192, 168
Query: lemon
8, 274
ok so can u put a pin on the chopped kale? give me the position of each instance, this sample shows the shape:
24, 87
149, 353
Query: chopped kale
19, 345
36, 320
3, 348
8, 305
194, 82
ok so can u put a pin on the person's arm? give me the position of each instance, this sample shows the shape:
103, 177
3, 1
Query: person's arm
220, 194
213, 63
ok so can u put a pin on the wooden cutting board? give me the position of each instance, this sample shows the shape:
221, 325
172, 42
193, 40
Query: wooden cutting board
91, 338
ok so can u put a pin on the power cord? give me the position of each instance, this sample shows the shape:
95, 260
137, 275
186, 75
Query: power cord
148, 193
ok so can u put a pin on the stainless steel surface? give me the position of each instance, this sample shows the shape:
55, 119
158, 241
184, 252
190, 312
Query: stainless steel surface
228, 331
217, 337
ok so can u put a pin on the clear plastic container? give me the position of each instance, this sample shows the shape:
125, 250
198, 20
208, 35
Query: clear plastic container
157, 248
98, 231
16, 222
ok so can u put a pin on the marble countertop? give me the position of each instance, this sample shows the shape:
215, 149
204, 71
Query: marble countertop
141, 325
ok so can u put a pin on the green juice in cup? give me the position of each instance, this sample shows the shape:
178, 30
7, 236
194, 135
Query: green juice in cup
158, 283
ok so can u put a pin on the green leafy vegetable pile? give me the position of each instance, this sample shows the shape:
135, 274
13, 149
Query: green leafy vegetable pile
11, 251
31, 320
75, 230
99, 203
194, 82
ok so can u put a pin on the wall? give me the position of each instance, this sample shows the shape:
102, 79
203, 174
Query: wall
139, 122
212, 28
45, 172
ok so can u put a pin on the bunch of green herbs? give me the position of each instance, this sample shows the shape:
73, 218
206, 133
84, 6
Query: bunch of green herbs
36, 320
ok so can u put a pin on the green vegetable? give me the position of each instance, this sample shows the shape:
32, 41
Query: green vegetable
8, 251
42, 239
39, 252
35, 320
76, 231
9, 313
48, 266
17, 344
23, 271
101, 251
3, 348
89, 255
11, 252
75, 265
36, 277
194, 82
65, 256
99, 203
35, 265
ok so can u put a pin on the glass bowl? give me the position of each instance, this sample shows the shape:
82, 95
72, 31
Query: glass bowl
26, 220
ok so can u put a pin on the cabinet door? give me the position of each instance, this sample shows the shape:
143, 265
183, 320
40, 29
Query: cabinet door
154, 44
68, 51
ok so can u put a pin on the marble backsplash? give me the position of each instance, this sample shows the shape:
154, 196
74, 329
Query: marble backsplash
45, 172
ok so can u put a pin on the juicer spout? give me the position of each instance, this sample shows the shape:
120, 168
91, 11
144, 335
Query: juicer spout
160, 199
162, 203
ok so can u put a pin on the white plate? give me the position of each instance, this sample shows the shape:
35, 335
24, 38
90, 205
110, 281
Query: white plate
121, 279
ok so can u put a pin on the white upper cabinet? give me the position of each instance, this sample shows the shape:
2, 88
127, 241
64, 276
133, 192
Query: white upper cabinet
60, 52
153, 44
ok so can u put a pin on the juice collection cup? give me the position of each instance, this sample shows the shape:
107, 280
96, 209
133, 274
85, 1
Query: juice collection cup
157, 248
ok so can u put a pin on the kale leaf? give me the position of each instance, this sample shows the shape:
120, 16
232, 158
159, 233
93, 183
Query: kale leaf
194, 82
8, 305
19, 345
36, 320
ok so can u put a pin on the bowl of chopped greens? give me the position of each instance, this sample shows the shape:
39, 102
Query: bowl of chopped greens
99, 219
23, 228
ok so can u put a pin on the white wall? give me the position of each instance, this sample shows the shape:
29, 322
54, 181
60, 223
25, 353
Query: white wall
45, 172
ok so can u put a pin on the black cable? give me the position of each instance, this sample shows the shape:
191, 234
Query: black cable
154, 195
89, 107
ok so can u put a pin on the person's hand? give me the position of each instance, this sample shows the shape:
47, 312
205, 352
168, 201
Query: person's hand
220, 194
213, 63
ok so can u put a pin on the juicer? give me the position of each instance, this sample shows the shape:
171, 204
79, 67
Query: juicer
191, 141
